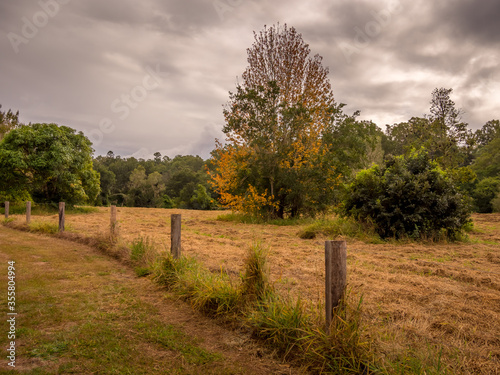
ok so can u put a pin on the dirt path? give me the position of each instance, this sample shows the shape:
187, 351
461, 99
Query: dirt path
81, 312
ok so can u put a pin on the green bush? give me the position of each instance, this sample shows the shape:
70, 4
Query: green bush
485, 193
409, 196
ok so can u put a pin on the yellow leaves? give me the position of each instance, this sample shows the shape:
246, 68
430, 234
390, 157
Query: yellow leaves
303, 152
234, 192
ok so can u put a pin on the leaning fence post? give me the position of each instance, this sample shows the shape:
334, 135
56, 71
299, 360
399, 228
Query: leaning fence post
6, 209
114, 225
28, 212
335, 276
61, 216
175, 235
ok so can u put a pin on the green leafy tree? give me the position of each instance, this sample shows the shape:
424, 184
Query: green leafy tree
487, 162
408, 196
354, 145
107, 183
51, 163
201, 200
484, 193
487, 133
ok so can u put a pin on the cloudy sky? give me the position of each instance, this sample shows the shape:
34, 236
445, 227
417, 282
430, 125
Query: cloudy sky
140, 77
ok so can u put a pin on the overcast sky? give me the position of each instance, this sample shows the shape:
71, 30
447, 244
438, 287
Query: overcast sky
140, 77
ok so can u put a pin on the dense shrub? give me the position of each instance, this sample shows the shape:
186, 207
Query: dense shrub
408, 196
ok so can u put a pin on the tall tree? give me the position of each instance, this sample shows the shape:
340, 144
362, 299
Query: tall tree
274, 161
443, 111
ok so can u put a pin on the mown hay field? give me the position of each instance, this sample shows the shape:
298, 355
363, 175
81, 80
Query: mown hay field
436, 301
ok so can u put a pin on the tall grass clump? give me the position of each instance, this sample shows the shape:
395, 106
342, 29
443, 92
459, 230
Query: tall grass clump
211, 293
280, 322
255, 278
297, 332
142, 255
345, 347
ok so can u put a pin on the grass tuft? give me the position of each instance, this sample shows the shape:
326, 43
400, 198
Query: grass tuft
297, 332
214, 294
255, 279
143, 255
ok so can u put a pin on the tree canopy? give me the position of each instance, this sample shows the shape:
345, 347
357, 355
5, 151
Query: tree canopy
49, 162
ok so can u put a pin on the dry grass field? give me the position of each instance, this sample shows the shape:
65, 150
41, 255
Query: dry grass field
437, 301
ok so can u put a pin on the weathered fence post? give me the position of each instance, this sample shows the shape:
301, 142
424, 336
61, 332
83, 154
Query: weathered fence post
335, 276
175, 235
114, 225
61, 216
7, 209
28, 212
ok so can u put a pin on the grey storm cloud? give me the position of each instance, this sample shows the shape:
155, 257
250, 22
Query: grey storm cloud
141, 77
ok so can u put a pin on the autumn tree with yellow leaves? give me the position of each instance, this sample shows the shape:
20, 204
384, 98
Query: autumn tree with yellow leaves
276, 160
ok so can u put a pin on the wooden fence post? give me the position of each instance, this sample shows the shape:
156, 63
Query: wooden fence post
114, 225
175, 235
28, 212
61, 216
7, 209
335, 276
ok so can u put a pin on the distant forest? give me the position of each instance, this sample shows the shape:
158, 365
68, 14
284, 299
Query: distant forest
161, 182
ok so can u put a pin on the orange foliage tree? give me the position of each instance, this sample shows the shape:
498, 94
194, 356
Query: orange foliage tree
275, 161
